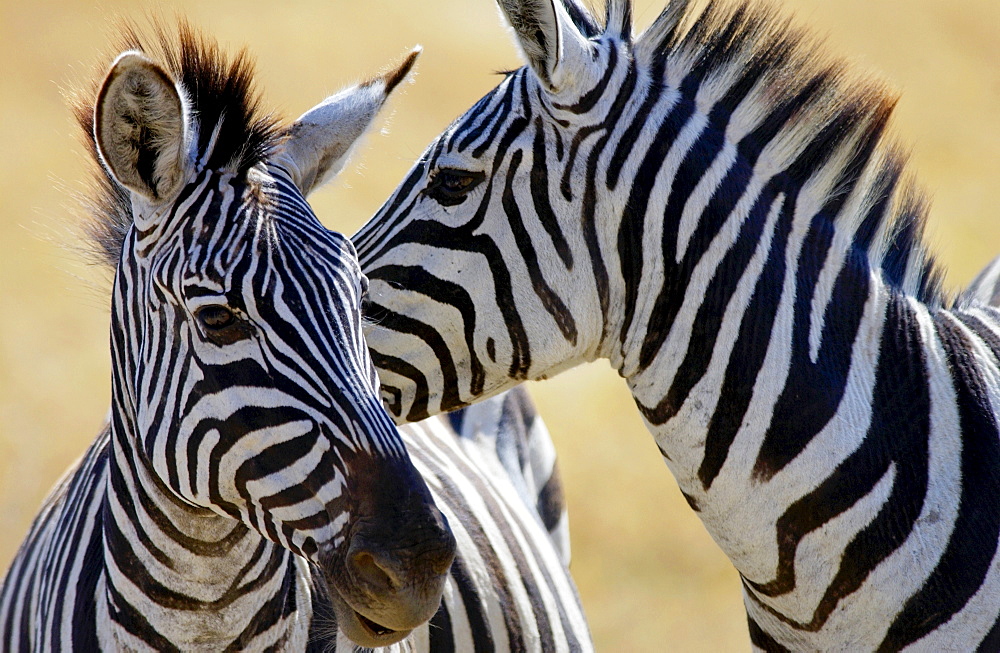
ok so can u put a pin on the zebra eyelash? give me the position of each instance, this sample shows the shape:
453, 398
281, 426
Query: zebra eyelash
215, 316
221, 324
450, 186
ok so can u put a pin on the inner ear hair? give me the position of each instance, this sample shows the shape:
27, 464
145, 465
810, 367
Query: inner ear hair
536, 24
140, 127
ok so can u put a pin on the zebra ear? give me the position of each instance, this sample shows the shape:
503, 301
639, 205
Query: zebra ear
549, 39
140, 128
318, 144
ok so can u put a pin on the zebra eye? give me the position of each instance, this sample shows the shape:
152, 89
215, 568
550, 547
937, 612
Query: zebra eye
215, 317
450, 186
222, 326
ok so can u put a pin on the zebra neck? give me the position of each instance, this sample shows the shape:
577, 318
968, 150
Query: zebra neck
740, 352
180, 576
794, 391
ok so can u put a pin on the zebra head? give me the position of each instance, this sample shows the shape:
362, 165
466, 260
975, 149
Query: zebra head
243, 385
485, 271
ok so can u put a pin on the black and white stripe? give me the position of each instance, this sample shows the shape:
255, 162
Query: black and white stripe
250, 491
713, 207
491, 470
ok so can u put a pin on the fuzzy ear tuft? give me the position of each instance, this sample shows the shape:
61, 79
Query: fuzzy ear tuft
318, 144
140, 127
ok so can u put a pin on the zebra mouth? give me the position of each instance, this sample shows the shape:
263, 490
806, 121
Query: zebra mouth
376, 630
361, 630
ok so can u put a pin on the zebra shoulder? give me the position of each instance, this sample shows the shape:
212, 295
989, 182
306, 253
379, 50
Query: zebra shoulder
508, 429
59, 563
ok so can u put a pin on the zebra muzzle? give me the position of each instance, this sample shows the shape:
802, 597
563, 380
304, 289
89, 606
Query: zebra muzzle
391, 576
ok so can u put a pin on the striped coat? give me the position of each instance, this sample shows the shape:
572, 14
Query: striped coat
714, 207
249, 491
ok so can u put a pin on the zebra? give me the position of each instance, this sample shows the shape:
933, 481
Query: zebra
249, 490
491, 468
713, 207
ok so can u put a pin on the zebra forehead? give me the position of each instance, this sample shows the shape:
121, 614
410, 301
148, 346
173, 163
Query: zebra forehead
262, 218
232, 131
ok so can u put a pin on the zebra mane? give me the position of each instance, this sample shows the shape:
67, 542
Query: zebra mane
826, 124
232, 133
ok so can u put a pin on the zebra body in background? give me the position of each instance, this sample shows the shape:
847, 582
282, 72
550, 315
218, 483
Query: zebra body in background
250, 492
491, 469
713, 207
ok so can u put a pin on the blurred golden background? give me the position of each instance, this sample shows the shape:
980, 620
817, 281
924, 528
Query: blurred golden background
650, 577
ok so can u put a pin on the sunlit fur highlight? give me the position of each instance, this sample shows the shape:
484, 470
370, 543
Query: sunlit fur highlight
235, 132
726, 39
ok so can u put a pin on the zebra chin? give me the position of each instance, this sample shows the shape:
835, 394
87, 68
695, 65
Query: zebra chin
366, 632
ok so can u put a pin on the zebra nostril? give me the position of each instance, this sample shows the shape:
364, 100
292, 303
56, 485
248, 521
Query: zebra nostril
372, 572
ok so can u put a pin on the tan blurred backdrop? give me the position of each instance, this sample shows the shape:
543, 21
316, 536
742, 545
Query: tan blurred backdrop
650, 577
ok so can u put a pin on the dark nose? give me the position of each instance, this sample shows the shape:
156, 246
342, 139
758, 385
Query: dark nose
397, 575
382, 570
399, 548
382, 561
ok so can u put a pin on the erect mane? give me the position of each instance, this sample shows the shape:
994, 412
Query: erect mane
233, 133
824, 122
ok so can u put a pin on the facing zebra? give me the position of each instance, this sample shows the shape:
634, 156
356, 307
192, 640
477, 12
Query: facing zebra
714, 209
249, 479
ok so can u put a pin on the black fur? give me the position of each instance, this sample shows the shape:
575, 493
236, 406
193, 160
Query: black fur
222, 96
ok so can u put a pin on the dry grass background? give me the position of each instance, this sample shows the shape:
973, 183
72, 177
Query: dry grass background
650, 577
